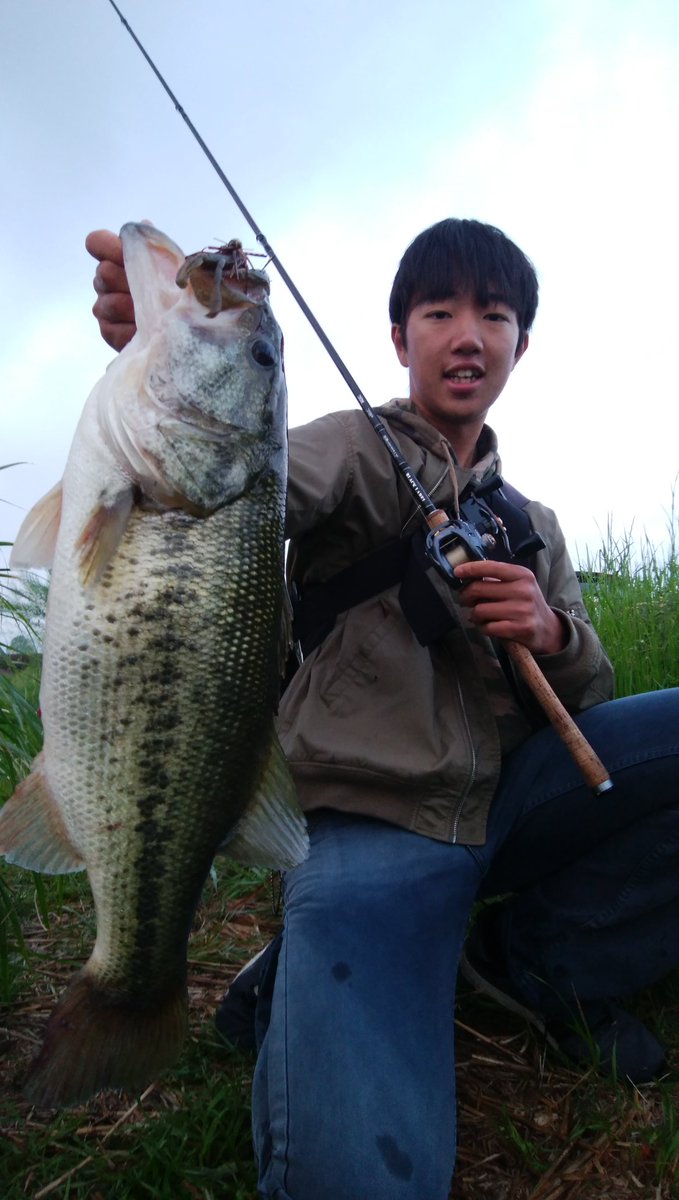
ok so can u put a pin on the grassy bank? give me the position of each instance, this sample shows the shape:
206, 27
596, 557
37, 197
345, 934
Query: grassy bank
531, 1127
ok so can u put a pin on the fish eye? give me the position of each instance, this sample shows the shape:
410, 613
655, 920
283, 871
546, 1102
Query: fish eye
263, 352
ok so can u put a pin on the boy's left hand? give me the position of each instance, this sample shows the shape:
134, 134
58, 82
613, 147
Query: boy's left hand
504, 601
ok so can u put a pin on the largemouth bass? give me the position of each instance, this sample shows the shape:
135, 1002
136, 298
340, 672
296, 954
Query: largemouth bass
162, 655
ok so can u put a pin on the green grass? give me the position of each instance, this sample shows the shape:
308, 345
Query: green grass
20, 727
189, 1134
633, 600
192, 1140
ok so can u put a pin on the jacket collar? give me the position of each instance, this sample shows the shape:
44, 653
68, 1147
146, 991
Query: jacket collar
403, 415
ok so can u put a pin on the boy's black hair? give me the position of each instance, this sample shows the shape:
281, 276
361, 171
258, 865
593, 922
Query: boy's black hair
458, 256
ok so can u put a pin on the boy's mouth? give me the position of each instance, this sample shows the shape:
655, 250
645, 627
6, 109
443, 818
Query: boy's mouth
463, 374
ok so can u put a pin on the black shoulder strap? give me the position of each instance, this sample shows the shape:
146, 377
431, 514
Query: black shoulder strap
403, 561
514, 495
317, 607
509, 504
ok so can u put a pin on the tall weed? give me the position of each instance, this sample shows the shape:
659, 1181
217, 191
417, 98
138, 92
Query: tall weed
632, 595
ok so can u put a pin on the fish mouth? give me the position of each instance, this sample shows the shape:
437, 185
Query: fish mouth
219, 286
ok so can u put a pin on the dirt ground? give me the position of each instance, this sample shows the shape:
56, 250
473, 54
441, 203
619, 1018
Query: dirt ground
530, 1127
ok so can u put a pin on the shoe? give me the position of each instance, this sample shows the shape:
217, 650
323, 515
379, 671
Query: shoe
236, 1017
599, 1034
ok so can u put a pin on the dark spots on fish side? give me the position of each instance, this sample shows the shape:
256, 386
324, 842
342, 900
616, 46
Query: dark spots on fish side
108, 638
132, 632
164, 721
398, 1163
167, 641
156, 612
184, 570
341, 972
147, 805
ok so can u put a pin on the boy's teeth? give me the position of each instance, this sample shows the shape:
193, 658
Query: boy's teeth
463, 375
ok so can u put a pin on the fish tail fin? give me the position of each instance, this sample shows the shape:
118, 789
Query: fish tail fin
94, 1041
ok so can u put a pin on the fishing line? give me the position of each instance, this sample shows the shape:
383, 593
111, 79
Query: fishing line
423, 499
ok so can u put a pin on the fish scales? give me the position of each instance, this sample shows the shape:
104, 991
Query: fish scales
151, 687
162, 660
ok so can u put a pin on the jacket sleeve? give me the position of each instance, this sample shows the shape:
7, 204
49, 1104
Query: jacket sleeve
581, 674
320, 469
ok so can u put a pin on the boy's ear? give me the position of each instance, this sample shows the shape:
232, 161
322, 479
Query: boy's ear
398, 338
521, 348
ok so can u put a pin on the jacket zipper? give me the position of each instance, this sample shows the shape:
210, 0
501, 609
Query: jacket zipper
472, 774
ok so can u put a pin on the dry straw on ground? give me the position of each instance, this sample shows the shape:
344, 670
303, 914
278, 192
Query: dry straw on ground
530, 1127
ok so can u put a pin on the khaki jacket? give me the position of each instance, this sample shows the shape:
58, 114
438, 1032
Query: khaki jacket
373, 722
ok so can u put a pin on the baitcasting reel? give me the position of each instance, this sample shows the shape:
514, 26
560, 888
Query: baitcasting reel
502, 533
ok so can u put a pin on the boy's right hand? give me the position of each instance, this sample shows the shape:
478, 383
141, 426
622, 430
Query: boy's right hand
114, 308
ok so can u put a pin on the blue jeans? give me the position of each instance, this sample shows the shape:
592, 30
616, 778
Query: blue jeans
354, 1091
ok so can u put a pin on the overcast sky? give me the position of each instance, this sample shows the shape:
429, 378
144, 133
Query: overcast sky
347, 127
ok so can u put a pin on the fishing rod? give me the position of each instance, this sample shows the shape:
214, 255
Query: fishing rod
424, 501
449, 542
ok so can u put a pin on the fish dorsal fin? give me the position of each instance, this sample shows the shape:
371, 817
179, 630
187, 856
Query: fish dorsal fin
32, 830
151, 261
37, 537
272, 831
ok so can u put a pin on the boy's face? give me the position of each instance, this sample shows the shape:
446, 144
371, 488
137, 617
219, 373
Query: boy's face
459, 356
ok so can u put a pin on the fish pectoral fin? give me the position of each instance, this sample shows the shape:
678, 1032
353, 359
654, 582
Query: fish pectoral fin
37, 537
102, 534
32, 830
272, 831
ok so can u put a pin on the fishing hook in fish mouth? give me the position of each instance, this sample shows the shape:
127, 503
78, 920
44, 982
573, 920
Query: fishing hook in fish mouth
235, 283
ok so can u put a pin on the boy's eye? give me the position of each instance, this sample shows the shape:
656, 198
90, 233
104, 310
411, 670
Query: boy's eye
497, 316
438, 314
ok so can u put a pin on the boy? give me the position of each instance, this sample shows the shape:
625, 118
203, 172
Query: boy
426, 776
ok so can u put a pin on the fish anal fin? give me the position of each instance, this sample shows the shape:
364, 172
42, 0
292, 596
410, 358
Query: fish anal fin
102, 535
95, 1040
32, 830
272, 830
37, 536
